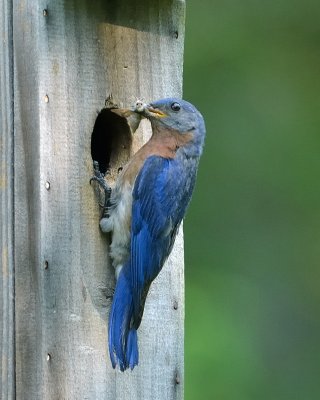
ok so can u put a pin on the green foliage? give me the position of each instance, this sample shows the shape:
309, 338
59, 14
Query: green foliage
253, 229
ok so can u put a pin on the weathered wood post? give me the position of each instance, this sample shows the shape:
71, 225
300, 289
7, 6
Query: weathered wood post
59, 60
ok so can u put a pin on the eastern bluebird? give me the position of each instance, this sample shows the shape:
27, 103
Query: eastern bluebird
144, 211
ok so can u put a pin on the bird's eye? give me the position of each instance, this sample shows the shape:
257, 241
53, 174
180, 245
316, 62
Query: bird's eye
175, 107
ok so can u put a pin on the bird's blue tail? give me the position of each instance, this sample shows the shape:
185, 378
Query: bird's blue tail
123, 340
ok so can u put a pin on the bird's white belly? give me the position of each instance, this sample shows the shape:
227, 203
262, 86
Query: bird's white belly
119, 224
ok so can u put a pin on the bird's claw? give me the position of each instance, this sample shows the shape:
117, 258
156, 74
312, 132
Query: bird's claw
99, 177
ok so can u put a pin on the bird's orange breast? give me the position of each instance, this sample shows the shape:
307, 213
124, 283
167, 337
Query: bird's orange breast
163, 143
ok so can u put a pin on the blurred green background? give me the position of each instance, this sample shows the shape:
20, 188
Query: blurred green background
252, 233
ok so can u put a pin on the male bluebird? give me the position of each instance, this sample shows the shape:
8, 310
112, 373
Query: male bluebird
144, 212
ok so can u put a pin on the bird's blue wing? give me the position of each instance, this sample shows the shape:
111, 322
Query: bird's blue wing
160, 197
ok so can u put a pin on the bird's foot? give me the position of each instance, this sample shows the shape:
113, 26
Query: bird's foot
99, 177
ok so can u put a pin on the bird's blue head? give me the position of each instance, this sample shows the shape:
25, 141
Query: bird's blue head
176, 114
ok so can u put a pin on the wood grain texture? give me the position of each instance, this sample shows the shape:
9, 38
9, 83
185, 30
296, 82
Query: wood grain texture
7, 349
76, 54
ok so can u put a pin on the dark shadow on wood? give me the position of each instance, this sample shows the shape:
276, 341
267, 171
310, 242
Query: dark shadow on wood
111, 142
130, 14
